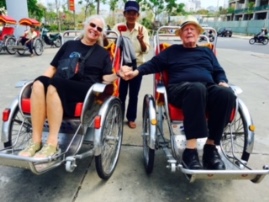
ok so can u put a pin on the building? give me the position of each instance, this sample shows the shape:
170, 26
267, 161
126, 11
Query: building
248, 10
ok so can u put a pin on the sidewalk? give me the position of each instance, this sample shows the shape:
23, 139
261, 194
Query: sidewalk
129, 182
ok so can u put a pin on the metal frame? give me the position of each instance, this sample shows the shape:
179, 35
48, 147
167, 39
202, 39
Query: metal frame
236, 168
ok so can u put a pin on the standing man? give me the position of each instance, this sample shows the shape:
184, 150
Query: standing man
139, 37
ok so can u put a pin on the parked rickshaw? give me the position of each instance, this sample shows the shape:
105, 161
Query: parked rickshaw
8, 24
37, 43
95, 130
163, 128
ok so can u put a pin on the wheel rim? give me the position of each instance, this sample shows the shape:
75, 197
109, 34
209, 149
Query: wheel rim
239, 136
112, 138
251, 41
38, 47
10, 43
58, 42
20, 131
146, 126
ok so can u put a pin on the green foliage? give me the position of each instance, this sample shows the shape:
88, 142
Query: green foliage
113, 4
230, 10
147, 23
3, 3
159, 6
53, 28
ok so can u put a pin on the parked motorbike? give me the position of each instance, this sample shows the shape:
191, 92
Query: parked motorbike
209, 36
51, 39
256, 39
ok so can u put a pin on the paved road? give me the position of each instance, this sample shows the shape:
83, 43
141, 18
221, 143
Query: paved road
241, 44
129, 181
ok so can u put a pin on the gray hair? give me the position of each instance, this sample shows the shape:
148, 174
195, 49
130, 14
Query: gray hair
89, 19
86, 24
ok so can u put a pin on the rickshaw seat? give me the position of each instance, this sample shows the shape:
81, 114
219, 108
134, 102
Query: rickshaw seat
5, 32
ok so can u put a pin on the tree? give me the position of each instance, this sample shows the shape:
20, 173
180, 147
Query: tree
160, 6
91, 4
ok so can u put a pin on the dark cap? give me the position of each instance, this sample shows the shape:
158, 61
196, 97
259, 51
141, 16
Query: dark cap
131, 6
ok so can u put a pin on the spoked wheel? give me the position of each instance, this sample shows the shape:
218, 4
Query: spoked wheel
265, 41
252, 41
58, 42
20, 131
111, 139
9, 44
148, 153
21, 51
38, 46
239, 136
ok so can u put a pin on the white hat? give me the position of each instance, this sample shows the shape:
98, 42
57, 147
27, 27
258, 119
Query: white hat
190, 20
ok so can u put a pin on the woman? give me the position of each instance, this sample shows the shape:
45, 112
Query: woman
54, 97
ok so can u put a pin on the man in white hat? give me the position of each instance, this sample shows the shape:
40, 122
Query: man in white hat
198, 85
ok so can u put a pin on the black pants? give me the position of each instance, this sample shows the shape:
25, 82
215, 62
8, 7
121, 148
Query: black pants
29, 44
196, 100
134, 87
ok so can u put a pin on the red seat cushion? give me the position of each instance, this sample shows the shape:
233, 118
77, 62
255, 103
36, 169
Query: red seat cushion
26, 107
175, 113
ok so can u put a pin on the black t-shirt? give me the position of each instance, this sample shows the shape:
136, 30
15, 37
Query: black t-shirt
186, 64
96, 65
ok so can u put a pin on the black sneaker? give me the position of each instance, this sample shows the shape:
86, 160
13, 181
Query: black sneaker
212, 159
190, 159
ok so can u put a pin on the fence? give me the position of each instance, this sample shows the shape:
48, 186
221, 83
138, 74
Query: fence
250, 27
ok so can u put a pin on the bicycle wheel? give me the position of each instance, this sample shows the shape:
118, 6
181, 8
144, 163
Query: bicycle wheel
111, 138
38, 46
20, 131
238, 136
9, 44
148, 153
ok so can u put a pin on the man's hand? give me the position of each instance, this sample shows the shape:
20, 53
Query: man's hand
130, 75
140, 35
224, 84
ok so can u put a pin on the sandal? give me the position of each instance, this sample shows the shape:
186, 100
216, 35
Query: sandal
132, 124
31, 149
46, 151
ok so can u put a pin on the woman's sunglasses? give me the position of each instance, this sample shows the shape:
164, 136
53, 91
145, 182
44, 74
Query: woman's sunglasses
99, 29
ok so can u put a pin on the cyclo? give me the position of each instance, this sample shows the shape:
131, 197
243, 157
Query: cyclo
7, 31
96, 129
37, 43
163, 129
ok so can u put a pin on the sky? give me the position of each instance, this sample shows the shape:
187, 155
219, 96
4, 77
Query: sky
215, 3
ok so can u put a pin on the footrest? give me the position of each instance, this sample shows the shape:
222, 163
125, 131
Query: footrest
255, 176
19, 48
9, 157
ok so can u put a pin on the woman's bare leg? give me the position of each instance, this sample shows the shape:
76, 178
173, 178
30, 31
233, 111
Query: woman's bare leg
38, 110
54, 115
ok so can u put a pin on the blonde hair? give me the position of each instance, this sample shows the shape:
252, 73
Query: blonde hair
86, 24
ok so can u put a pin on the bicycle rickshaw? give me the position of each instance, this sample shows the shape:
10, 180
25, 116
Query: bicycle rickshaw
96, 129
163, 129
37, 43
9, 25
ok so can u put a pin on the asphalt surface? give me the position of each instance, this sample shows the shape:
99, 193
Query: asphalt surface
129, 182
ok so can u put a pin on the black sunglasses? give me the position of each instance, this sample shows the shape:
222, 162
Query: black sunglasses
99, 29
